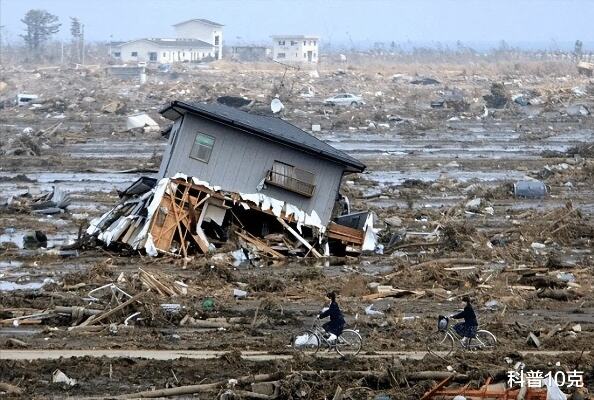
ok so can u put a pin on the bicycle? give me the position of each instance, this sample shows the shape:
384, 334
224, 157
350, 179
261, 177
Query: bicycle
348, 343
443, 340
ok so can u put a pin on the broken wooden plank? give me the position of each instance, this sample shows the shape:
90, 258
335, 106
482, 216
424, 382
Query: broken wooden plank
393, 293
298, 237
259, 244
345, 233
112, 311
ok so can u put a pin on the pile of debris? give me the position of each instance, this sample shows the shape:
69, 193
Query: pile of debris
29, 143
182, 216
55, 202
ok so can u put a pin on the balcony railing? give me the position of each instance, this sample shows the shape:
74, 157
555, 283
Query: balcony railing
289, 182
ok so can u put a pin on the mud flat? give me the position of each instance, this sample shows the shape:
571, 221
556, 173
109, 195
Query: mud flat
527, 263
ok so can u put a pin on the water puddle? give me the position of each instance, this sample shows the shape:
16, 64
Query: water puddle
6, 286
18, 238
397, 177
10, 264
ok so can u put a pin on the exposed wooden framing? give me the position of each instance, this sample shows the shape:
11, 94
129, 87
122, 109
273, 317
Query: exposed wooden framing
298, 237
163, 234
260, 245
182, 235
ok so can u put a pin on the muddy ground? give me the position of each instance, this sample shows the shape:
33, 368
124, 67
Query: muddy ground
527, 263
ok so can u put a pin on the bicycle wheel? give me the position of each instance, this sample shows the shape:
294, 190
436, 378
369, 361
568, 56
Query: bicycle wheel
306, 341
349, 343
484, 340
440, 344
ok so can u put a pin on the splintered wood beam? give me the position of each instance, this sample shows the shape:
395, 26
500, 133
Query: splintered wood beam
298, 237
260, 245
112, 311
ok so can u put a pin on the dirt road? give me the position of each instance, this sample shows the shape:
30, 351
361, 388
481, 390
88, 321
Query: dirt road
7, 354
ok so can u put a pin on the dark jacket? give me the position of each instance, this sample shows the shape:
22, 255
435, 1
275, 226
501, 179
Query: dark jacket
468, 315
336, 324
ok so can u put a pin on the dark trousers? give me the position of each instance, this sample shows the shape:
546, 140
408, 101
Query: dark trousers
334, 327
465, 330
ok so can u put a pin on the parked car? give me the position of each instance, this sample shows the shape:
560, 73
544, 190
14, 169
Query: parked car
344, 99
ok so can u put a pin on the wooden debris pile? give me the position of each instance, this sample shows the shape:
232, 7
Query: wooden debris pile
182, 216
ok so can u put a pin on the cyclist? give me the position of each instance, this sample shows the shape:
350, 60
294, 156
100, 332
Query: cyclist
335, 326
468, 328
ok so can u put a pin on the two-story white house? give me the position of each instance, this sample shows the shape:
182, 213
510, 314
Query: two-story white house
295, 49
195, 40
202, 29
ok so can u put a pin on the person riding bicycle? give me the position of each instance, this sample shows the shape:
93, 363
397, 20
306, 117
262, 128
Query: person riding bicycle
468, 328
336, 324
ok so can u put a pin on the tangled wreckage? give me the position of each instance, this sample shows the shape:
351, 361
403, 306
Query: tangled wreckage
228, 172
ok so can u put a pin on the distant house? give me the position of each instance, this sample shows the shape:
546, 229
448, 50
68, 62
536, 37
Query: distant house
250, 53
202, 29
195, 40
248, 153
295, 49
165, 51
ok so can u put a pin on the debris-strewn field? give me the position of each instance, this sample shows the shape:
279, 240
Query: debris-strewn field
444, 145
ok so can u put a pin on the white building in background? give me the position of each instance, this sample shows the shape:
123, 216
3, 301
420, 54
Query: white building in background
202, 29
293, 49
195, 40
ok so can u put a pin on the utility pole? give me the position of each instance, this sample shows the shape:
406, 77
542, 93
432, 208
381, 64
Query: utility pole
82, 39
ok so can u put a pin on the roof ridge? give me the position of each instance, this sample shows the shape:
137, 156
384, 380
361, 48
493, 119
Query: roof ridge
272, 128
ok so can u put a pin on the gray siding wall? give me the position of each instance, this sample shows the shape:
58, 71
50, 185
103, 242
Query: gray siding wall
239, 161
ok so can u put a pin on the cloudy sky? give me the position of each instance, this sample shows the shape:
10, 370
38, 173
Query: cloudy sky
530, 23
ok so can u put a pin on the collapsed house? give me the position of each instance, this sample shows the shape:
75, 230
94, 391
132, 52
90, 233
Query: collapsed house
228, 172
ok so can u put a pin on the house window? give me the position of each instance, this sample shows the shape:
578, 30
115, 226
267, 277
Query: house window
202, 147
216, 40
281, 42
134, 54
291, 178
164, 54
152, 56
280, 55
305, 43
293, 43
117, 54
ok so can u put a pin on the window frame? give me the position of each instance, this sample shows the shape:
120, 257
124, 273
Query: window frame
195, 156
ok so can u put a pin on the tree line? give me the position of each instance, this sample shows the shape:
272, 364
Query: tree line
41, 25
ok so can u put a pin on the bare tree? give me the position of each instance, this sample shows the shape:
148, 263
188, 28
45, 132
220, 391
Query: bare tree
578, 49
40, 26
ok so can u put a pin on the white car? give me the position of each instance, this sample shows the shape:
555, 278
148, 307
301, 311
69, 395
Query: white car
344, 99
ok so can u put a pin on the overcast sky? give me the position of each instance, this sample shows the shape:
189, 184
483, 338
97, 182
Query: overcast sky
541, 23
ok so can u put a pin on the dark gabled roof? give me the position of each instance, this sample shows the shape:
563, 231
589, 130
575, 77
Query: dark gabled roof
192, 43
204, 21
270, 128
